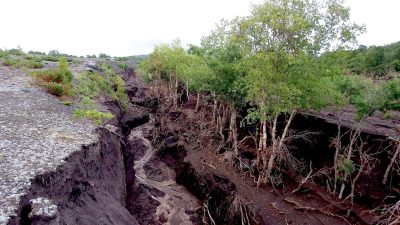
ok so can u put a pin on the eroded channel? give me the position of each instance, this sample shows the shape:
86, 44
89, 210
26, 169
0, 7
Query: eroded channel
154, 197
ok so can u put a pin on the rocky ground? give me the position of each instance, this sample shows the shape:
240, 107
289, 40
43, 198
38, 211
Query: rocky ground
37, 133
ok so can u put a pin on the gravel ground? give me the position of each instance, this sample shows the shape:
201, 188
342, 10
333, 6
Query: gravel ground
37, 132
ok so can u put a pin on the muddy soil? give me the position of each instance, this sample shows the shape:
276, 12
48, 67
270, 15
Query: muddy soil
217, 184
155, 197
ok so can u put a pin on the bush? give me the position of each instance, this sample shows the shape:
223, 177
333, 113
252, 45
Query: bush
11, 62
94, 115
50, 58
396, 65
91, 85
104, 56
16, 51
55, 88
35, 65
3, 54
56, 81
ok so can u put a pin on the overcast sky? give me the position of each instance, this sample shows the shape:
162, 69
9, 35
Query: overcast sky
130, 27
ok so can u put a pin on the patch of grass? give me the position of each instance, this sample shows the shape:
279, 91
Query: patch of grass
91, 85
50, 58
35, 65
3, 54
16, 51
94, 115
56, 81
67, 103
11, 62
27, 61
123, 66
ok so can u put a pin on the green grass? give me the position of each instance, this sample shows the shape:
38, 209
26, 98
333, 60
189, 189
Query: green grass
3, 54
11, 62
93, 115
92, 85
50, 58
27, 61
56, 81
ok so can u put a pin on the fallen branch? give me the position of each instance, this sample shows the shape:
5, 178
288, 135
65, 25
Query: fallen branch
305, 208
304, 180
385, 177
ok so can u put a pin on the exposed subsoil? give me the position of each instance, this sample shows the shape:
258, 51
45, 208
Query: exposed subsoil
218, 191
140, 173
153, 197
215, 182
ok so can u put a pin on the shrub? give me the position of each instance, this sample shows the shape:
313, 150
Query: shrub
50, 58
3, 54
55, 88
11, 62
123, 66
91, 85
35, 65
16, 51
94, 115
56, 81
104, 56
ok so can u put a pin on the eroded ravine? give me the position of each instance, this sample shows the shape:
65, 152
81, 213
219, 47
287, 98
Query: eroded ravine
169, 203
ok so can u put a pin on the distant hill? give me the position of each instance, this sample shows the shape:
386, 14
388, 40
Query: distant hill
375, 60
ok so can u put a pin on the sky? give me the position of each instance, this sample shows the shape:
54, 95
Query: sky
133, 27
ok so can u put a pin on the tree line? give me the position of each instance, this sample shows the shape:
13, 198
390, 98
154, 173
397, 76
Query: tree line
287, 56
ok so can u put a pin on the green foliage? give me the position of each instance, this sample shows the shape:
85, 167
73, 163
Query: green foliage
94, 115
3, 53
369, 96
346, 166
50, 58
281, 40
25, 62
16, 51
54, 53
91, 85
67, 103
375, 61
11, 62
272, 59
57, 81
123, 66
104, 56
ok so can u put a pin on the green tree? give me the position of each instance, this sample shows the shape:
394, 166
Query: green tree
281, 39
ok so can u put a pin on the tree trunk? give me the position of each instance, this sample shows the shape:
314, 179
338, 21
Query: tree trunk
260, 145
274, 149
264, 143
261, 153
286, 130
221, 121
277, 146
176, 93
197, 102
353, 137
233, 131
335, 162
215, 106
385, 177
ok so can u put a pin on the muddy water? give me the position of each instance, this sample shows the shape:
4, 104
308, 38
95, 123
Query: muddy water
174, 204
